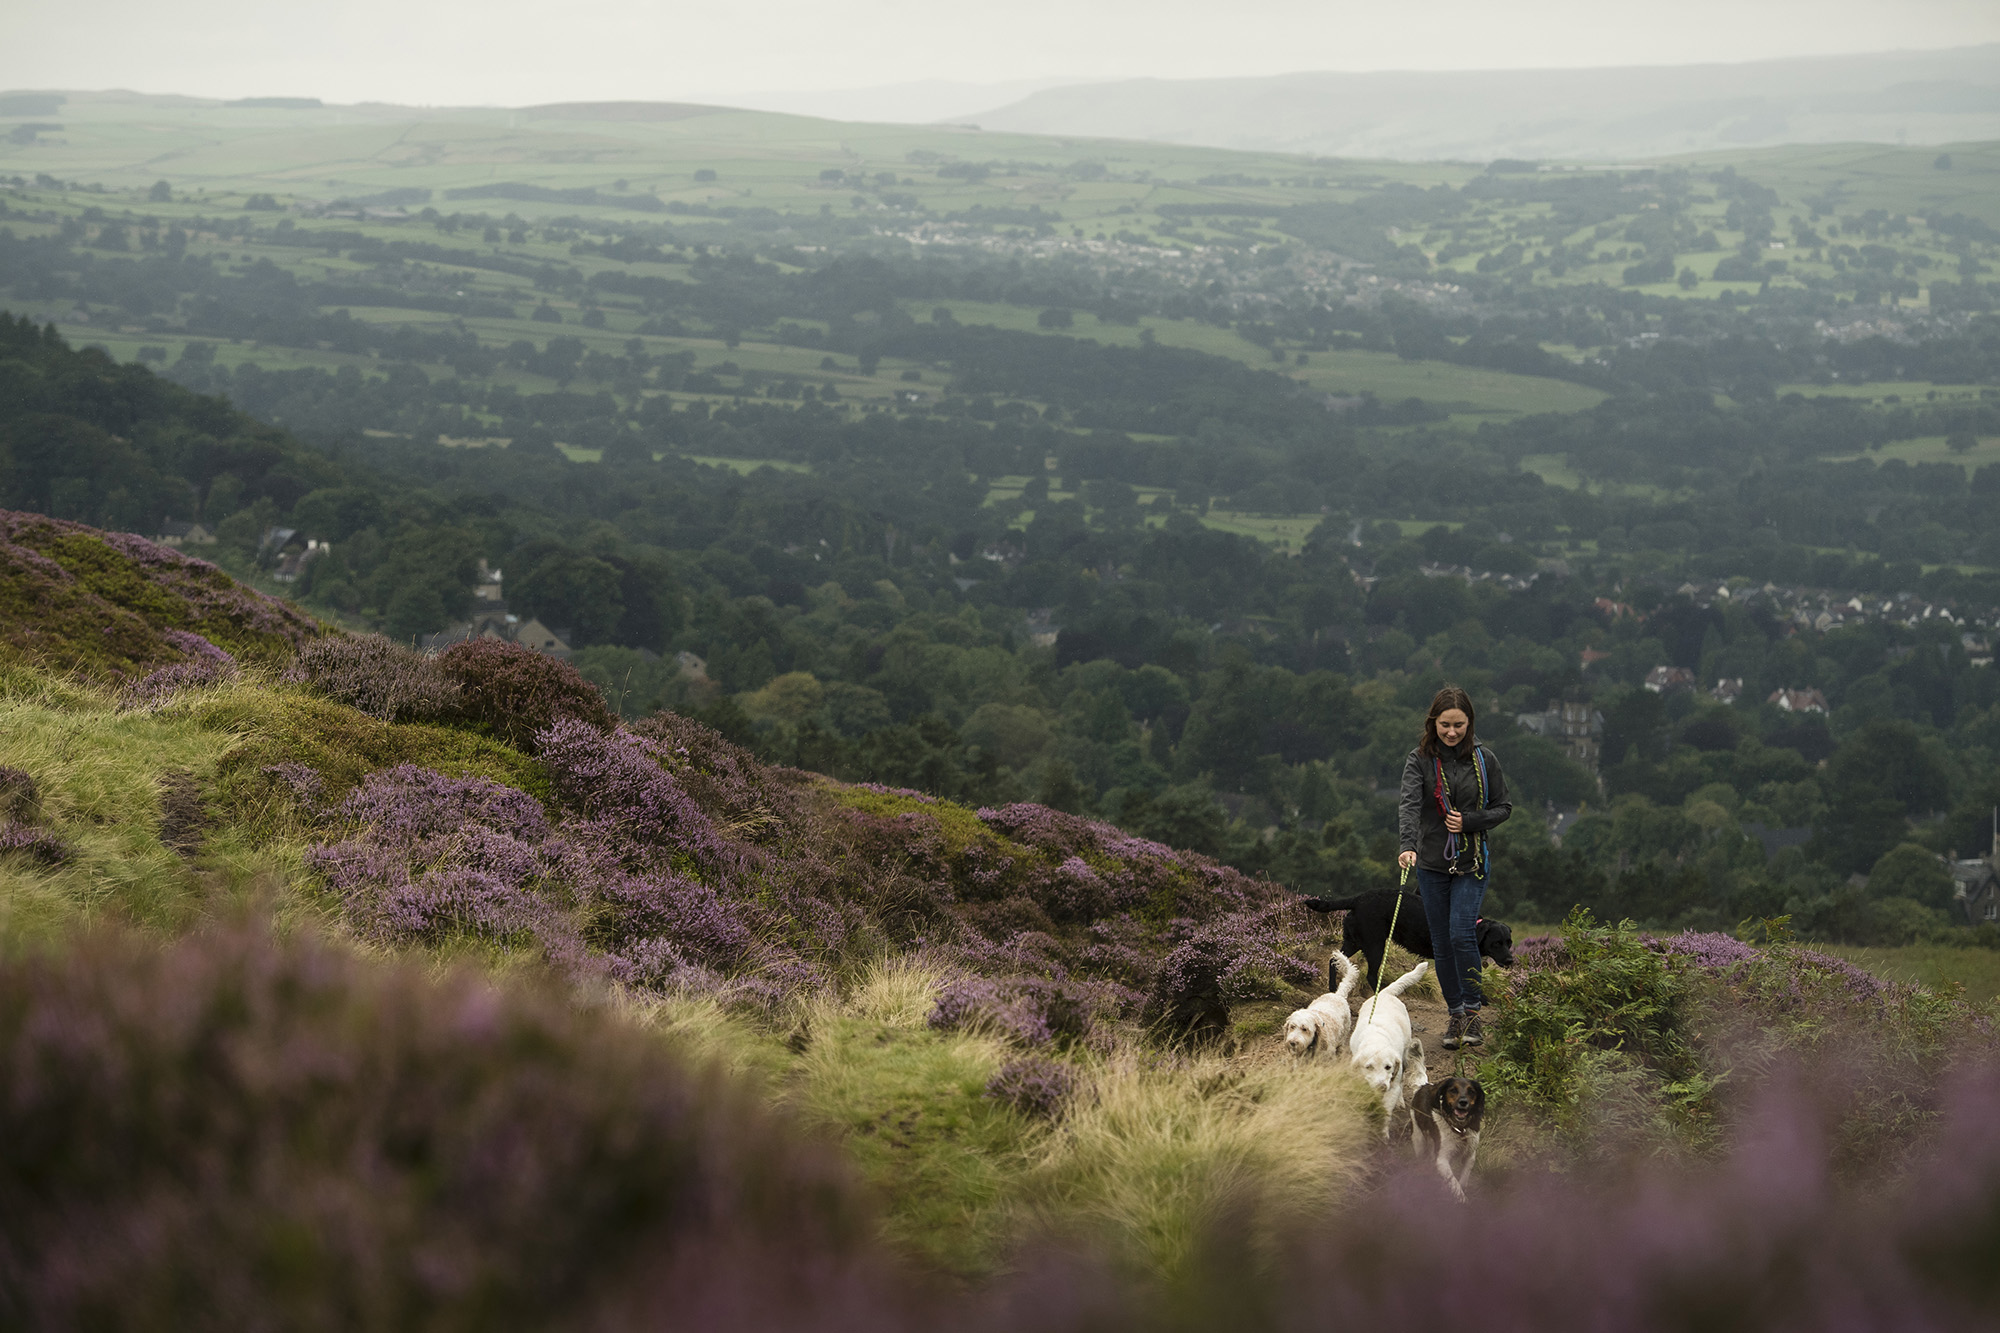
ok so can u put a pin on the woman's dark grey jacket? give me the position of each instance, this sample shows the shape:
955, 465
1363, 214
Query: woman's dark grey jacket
1420, 823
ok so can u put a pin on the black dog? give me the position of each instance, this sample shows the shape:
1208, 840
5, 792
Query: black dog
1367, 929
1448, 1116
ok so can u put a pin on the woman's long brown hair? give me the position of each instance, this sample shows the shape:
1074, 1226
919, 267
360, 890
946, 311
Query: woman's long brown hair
1449, 697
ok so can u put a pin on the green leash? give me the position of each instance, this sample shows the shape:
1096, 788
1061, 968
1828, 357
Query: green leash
1395, 915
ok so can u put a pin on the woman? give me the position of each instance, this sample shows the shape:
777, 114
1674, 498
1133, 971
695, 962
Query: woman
1453, 795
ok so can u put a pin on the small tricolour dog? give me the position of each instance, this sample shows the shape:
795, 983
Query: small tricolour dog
1317, 1030
1380, 1045
1448, 1115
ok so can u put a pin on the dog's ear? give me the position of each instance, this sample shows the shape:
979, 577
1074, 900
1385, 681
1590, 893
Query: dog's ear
1478, 1097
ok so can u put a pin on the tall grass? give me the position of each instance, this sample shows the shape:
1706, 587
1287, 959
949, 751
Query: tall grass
98, 770
1157, 1154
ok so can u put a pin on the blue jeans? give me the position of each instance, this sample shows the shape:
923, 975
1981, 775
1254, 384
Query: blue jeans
1451, 906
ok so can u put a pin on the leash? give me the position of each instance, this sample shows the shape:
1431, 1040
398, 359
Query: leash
1394, 916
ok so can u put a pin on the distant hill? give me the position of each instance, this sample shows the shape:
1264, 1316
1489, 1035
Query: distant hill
1900, 97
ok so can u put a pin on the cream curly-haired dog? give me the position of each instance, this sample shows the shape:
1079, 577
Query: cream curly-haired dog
1318, 1029
1380, 1045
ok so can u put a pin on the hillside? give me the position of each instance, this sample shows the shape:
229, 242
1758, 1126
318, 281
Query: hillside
610, 1015
1603, 115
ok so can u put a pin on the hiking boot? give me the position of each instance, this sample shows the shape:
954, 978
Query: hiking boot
1454, 1032
1474, 1035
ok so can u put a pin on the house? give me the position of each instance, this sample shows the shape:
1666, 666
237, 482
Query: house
1590, 655
532, 633
1975, 890
489, 623
1798, 701
1577, 727
1662, 679
293, 562
1728, 689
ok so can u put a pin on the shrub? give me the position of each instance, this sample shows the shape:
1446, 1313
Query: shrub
161, 685
617, 779
1604, 1008
512, 693
1033, 1085
383, 679
110, 604
284, 732
39, 844
231, 1133
20, 798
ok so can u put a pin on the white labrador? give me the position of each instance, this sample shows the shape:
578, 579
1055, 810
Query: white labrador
1318, 1029
1380, 1045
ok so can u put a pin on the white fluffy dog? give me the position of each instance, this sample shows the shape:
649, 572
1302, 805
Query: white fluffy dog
1381, 1043
1320, 1027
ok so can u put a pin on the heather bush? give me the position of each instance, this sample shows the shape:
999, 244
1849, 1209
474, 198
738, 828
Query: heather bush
383, 679
618, 780
725, 780
1033, 1085
513, 693
1221, 962
1770, 1237
428, 856
158, 686
107, 605
278, 729
235, 1134
38, 844
20, 798
1894, 1046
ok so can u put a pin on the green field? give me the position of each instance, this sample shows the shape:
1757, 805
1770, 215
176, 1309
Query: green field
792, 189
746, 466
1932, 449
1978, 970
1462, 390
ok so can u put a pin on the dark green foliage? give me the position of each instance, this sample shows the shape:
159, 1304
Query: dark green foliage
1591, 1006
85, 439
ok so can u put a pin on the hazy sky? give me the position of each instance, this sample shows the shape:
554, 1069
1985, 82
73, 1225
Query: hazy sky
516, 52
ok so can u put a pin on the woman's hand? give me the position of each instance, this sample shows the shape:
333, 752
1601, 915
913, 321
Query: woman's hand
1406, 860
1454, 821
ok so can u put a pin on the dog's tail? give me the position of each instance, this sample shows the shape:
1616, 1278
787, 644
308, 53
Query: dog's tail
1349, 974
1408, 979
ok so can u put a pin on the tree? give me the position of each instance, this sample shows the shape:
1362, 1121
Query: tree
1875, 782
414, 610
1055, 317
161, 193
571, 589
1961, 442
1909, 871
